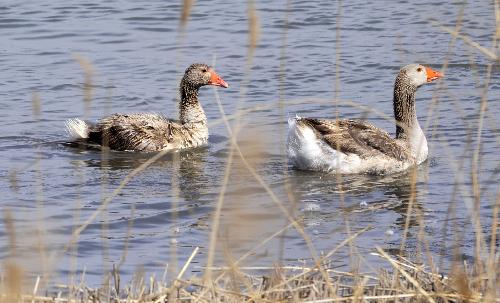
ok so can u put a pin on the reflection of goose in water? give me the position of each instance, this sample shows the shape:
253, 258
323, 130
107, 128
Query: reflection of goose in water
360, 194
397, 196
178, 185
379, 203
129, 161
149, 132
350, 146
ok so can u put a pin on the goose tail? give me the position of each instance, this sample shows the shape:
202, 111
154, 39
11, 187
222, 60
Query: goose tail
77, 128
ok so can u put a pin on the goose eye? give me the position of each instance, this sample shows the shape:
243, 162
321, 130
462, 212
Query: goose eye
419, 69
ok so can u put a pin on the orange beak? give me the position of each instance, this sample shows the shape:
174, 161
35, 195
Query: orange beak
432, 74
216, 80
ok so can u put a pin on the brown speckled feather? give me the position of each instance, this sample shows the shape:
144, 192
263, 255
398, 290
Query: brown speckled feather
141, 132
357, 137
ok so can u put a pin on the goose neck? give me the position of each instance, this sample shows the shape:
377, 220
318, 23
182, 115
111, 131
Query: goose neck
190, 110
404, 108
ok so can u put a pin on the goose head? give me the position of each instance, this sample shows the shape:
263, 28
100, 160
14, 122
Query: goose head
417, 74
198, 75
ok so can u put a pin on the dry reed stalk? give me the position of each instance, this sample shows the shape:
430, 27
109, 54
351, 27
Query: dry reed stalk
248, 253
36, 105
174, 205
216, 215
406, 275
234, 145
253, 36
411, 201
318, 266
337, 89
270, 192
480, 244
12, 275
281, 99
457, 162
185, 13
253, 28
188, 262
88, 71
111, 196
493, 259
489, 53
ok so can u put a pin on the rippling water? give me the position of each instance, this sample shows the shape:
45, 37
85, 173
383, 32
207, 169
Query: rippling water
138, 56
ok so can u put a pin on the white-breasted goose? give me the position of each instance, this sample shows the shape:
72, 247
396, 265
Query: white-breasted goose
350, 146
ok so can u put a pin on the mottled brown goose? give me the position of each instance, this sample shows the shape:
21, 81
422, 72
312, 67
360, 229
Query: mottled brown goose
148, 132
350, 146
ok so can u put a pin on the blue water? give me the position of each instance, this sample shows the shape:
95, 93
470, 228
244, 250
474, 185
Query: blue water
138, 55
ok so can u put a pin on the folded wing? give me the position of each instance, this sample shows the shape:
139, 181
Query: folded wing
141, 132
357, 137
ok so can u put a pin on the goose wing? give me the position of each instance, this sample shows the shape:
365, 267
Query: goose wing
140, 132
357, 137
